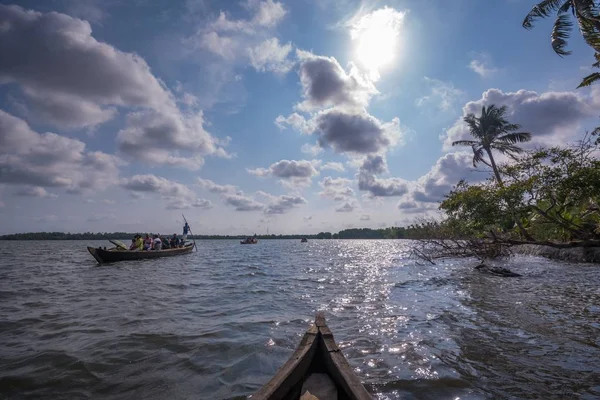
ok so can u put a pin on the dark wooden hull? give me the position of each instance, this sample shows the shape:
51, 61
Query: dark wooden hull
244, 242
317, 353
107, 256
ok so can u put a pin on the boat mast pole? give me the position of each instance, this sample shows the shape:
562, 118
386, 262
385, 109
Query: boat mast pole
190, 228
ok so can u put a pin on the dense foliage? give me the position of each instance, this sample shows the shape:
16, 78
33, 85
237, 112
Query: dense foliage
554, 193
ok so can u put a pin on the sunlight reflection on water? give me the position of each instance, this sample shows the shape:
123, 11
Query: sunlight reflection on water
218, 323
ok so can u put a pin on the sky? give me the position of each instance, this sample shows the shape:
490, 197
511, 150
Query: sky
251, 116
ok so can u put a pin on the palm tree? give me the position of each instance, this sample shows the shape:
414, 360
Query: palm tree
492, 132
587, 15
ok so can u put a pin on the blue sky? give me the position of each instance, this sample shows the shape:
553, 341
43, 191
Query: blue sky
297, 116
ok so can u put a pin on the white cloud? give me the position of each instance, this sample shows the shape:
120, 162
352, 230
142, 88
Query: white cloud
443, 95
178, 195
348, 206
103, 76
334, 166
51, 160
551, 117
271, 56
379, 187
159, 137
326, 84
481, 64
242, 202
313, 150
357, 133
247, 41
444, 175
293, 173
281, 204
34, 191
216, 188
337, 189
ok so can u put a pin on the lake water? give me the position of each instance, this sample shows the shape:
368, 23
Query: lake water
218, 323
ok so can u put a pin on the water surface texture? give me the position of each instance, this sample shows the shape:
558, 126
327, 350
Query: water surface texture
218, 323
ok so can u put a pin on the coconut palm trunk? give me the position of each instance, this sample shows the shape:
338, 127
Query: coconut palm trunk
493, 132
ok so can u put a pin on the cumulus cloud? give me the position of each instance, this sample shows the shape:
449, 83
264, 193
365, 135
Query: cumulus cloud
347, 206
158, 137
51, 160
34, 191
297, 122
281, 204
442, 95
247, 41
374, 164
379, 187
271, 56
293, 173
313, 150
358, 133
336, 102
550, 117
339, 190
242, 202
77, 82
481, 64
445, 174
216, 188
334, 166
68, 96
178, 195
326, 84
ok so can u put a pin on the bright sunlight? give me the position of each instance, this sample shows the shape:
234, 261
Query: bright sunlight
376, 35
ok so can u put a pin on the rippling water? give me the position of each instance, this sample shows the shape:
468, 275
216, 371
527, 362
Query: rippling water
218, 323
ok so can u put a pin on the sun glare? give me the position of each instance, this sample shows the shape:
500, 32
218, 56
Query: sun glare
377, 38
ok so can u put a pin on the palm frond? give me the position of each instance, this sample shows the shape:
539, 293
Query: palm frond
565, 8
511, 127
588, 80
597, 63
590, 31
514, 137
474, 125
542, 10
560, 34
478, 154
464, 143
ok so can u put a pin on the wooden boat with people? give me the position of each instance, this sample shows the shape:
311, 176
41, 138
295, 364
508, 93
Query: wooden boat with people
316, 371
117, 253
249, 241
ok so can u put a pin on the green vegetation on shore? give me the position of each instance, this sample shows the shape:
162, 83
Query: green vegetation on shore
411, 232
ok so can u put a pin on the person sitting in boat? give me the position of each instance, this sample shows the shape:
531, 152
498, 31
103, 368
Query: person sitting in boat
156, 243
174, 241
165, 243
147, 242
132, 246
139, 243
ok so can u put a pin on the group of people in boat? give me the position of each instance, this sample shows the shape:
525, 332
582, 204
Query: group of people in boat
158, 242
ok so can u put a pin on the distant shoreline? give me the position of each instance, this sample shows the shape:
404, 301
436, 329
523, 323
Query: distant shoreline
354, 233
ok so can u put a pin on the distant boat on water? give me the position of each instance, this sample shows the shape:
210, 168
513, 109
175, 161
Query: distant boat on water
303, 240
250, 240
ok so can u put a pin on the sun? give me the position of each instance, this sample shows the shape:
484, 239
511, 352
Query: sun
376, 35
